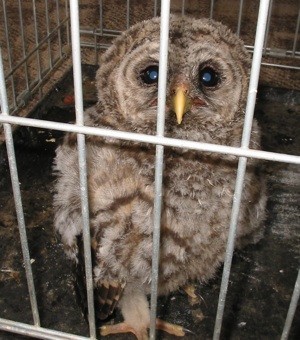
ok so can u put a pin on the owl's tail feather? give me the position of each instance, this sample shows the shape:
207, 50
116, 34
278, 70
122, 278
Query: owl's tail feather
107, 295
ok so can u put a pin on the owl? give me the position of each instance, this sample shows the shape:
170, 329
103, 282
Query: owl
208, 70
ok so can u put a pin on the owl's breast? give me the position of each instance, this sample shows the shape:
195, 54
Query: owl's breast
197, 200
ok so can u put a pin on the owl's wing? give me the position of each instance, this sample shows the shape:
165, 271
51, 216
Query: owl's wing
107, 293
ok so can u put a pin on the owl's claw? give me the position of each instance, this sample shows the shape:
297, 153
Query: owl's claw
188, 331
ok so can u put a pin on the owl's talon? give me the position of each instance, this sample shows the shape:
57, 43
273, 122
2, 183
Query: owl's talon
188, 331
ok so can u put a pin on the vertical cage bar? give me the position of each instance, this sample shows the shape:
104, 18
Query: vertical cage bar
37, 40
238, 31
162, 82
48, 32
101, 30
128, 14
296, 33
95, 48
183, 7
292, 309
67, 23
155, 8
9, 56
17, 197
59, 30
101, 16
254, 77
212, 5
23, 44
76, 55
268, 26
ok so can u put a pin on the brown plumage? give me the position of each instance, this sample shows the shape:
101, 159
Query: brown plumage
208, 71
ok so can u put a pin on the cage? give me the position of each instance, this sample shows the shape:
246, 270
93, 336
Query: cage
46, 47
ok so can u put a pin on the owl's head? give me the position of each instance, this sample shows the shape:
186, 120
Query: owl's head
208, 69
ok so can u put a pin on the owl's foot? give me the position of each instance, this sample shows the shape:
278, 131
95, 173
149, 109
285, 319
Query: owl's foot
123, 327
190, 290
170, 328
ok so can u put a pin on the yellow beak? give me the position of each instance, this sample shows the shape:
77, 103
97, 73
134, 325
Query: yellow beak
180, 103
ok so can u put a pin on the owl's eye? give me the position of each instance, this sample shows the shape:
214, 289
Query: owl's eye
208, 77
150, 75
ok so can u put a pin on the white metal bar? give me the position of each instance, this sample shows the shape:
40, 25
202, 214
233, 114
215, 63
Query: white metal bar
161, 100
76, 55
67, 19
36, 33
48, 33
36, 331
268, 26
212, 5
182, 7
59, 31
155, 8
97, 46
165, 141
238, 31
292, 309
296, 33
9, 57
23, 43
297, 68
128, 14
255, 70
100, 16
17, 197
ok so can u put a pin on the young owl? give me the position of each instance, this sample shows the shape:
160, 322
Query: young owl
208, 70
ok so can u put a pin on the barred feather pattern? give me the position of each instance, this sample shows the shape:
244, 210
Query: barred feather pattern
198, 186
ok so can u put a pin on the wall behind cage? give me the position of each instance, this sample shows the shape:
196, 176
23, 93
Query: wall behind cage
34, 38
103, 20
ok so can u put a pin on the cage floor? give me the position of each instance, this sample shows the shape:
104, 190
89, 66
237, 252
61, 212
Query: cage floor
262, 277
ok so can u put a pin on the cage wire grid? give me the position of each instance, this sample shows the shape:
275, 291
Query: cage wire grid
159, 140
42, 45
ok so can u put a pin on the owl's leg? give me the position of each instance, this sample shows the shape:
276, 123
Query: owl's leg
123, 327
135, 310
142, 334
170, 328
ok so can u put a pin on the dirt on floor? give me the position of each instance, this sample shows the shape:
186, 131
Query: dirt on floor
262, 277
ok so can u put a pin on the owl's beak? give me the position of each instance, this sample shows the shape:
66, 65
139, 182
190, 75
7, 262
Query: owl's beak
180, 102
